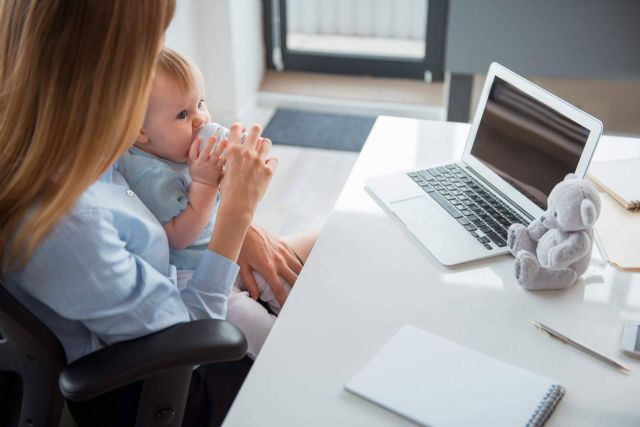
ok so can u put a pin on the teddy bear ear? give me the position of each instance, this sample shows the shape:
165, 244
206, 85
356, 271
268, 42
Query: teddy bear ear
570, 176
588, 212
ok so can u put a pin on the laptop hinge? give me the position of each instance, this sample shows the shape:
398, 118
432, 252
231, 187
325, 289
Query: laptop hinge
498, 192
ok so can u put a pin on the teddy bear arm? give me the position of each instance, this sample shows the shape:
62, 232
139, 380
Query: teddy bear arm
536, 229
569, 251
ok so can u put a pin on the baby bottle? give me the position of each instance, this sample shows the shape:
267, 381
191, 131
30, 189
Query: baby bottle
217, 130
212, 129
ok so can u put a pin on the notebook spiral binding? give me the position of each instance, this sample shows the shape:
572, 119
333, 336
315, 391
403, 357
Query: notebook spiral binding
546, 406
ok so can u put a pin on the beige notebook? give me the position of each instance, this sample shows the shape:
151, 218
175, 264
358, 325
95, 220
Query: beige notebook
435, 382
620, 179
618, 234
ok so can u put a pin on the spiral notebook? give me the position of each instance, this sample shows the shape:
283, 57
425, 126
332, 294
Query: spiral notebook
435, 382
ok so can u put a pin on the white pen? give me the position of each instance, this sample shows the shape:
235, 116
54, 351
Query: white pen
557, 335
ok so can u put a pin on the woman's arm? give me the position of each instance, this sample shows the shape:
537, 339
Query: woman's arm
84, 272
247, 177
108, 270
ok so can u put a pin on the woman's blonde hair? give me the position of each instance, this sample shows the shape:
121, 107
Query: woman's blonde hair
75, 77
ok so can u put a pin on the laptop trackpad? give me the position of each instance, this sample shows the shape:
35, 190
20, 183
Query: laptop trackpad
420, 213
436, 230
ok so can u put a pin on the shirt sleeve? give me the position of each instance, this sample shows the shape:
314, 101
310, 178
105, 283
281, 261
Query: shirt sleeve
84, 271
163, 191
207, 292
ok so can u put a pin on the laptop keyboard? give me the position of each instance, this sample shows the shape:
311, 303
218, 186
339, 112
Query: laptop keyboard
472, 204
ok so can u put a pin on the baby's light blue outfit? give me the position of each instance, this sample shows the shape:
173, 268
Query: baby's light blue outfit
103, 274
163, 185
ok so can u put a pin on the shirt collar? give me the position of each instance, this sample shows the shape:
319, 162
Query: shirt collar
107, 177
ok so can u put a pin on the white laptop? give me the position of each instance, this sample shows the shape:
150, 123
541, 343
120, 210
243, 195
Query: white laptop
522, 142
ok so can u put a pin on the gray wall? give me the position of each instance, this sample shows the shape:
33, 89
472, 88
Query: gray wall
560, 38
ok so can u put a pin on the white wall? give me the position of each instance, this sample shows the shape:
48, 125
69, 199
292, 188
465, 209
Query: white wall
224, 39
248, 45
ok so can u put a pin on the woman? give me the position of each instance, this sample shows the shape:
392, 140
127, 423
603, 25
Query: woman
80, 250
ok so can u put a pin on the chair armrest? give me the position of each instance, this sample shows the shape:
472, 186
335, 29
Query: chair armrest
123, 363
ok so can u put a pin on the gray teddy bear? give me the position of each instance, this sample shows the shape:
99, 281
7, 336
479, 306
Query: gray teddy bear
555, 249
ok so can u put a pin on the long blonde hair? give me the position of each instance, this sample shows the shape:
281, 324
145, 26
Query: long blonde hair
75, 77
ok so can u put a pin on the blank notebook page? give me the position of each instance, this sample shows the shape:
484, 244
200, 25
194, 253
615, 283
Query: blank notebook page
620, 179
435, 382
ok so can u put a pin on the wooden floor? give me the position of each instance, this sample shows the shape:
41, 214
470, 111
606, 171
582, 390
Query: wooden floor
308, 181
360, 88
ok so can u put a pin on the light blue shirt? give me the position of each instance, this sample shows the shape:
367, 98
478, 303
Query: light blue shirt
163, 187
103, 274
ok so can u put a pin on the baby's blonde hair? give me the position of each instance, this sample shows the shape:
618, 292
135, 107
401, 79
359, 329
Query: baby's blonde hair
75, 78
177, 67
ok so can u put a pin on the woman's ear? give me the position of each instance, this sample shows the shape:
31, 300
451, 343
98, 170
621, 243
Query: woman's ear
142, 137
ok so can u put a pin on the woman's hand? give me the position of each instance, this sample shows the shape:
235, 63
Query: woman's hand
248, 169
270, 257
247, 176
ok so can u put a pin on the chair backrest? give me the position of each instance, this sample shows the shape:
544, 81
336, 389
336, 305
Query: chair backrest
31, 358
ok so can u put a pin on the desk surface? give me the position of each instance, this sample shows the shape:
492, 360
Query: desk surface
367, 277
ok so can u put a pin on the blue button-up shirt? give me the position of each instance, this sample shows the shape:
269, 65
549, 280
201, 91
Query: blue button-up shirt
103, 274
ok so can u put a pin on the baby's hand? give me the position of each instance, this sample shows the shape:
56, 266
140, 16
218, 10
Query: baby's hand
205, 166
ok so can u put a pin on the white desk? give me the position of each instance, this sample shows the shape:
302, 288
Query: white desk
366, 278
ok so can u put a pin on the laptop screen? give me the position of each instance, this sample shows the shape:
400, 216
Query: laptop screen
527, 143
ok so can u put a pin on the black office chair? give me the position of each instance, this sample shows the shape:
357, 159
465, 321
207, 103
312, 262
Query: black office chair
34, 375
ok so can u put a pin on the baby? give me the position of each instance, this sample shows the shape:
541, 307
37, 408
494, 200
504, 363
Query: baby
177, 176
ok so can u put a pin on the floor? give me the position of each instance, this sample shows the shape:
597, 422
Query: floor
308, 181
355, 88
304, 188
